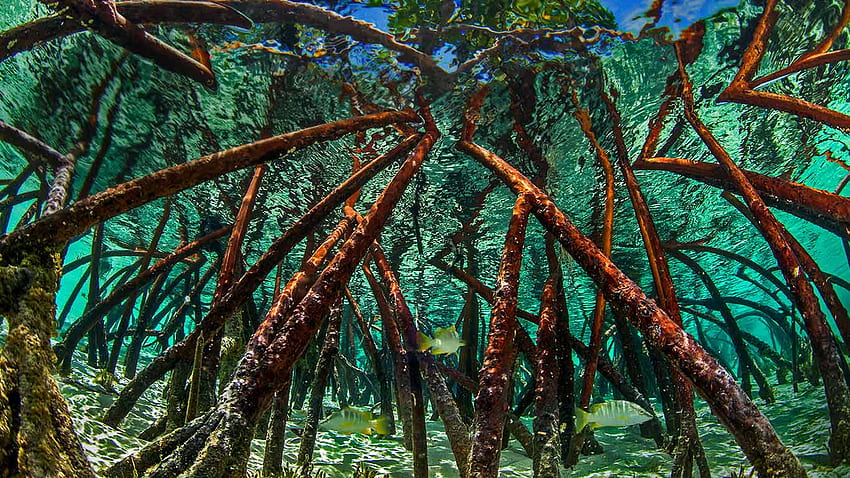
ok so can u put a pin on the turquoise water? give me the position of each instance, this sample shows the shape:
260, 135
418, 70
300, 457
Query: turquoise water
283, 76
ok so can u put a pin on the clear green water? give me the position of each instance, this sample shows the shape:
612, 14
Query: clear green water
163, 119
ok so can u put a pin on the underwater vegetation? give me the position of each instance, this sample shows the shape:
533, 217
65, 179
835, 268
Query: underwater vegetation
424, 238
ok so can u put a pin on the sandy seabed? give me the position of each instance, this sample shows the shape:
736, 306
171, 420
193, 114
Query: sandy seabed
800, 419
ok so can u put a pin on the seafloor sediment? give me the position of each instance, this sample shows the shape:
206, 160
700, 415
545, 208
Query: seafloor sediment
800, 419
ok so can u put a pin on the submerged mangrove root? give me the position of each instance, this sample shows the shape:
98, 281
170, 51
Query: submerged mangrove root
104, 19
273, 453
248, 283
743, 87
317, 389
220, 447
37, 437
687, 448
491, 405
199, 437
546, 447
751, 429
371, 351
823, 346
392, 338
404, 320
58, 228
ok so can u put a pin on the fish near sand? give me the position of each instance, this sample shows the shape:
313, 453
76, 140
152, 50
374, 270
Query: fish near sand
616, 413
350, 420
445, 341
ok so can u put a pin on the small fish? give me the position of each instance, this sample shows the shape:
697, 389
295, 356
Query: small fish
445, 341
351, 420
616, 413
106, 379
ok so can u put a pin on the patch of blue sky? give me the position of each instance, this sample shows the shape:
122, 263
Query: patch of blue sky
675, 14
379, 16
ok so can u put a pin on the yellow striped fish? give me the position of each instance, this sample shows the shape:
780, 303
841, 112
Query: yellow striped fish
616, 413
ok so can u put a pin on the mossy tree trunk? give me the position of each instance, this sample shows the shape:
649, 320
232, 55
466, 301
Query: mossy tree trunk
37, 437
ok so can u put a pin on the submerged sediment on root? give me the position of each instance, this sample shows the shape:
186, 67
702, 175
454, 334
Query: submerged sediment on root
37, 437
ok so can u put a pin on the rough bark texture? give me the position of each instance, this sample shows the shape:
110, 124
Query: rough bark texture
404, 320
317, 389
512, 423
547, 448
76, 219
686, 444
248, 283
491, 405
736, 411
526, 346
820, 336
37, 437
221, 449
765, 390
